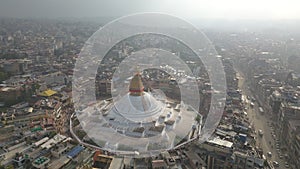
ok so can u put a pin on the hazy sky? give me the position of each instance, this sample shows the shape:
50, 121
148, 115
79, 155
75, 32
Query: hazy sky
229, 9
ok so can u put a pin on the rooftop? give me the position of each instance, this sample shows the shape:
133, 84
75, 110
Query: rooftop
220, 142
159, 128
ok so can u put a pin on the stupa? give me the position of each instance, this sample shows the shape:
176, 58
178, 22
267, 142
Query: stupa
138, 105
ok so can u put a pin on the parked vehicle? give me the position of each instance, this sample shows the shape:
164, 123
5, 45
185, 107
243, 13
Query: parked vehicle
261, 110
275, 164
260, 133
269, 154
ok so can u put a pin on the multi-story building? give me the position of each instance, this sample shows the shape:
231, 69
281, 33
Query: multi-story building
287, 112
275, 102
17, 66
295, 151
103, 88
291, 141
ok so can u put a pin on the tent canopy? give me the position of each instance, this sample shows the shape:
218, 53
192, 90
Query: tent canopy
47, 93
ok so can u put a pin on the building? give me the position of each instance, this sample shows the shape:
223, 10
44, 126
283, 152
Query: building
102, 161
53, 141
287, 112
275, 102
218, 153
41, 162
17, 66
19, 159
55, 79
159, 164
139, 114
75, 151
59, 150
103, 88
137, 105
10, 95
295, 151
291, 141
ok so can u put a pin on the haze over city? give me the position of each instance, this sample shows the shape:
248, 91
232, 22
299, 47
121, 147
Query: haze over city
158, 84
230, 9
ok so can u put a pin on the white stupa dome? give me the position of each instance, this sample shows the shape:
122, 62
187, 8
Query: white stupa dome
137, 105
144, 108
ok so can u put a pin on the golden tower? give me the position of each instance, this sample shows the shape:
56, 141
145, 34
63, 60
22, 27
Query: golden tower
136, 87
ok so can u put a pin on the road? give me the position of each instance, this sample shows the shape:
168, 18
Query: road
261, 122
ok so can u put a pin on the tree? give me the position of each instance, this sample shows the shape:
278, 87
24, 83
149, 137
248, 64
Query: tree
197, 119
3, 75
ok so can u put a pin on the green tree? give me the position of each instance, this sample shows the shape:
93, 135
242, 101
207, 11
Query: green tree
197, 119
3, 75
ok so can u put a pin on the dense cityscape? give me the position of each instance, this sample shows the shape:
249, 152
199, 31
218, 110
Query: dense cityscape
40, 128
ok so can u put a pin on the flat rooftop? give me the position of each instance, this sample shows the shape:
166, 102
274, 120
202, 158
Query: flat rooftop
221, 142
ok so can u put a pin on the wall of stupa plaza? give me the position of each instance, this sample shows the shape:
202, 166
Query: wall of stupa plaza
108, 127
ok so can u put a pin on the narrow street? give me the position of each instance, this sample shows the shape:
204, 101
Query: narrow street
261, 121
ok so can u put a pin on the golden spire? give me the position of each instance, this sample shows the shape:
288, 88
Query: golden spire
136, 87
